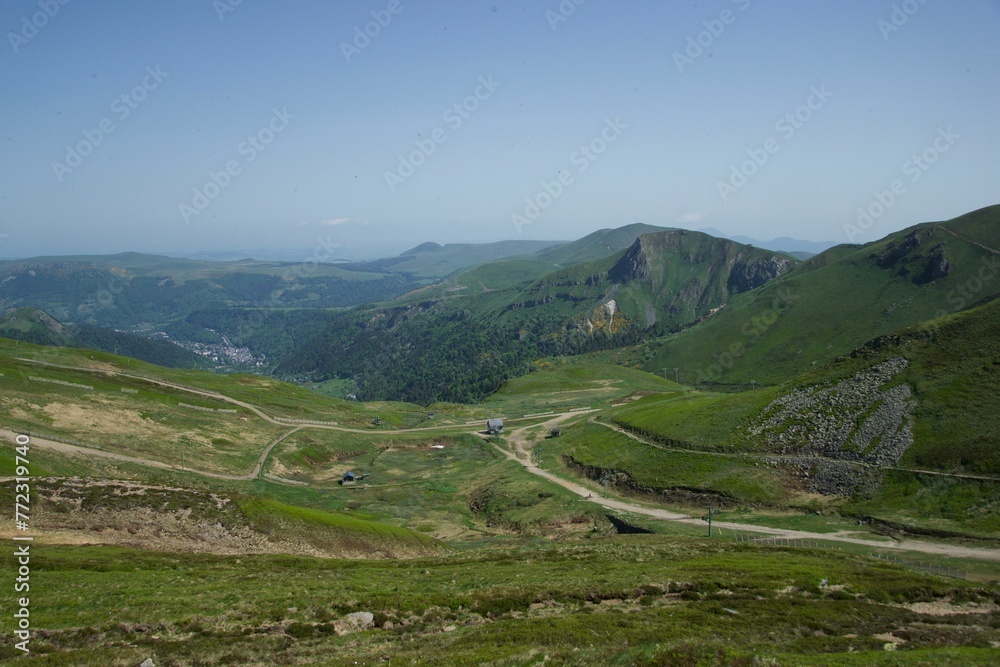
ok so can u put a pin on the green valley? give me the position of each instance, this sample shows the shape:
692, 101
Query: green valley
827, 493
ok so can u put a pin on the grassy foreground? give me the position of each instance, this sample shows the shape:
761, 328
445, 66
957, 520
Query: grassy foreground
644, 600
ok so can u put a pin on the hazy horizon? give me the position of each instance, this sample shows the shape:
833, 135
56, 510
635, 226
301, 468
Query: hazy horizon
368, 128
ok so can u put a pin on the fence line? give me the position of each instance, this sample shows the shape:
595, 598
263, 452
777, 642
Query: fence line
204, 409
777, 541
304, 421
933, 568
62, 382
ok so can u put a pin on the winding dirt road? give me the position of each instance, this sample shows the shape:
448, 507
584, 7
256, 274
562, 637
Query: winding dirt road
520, 455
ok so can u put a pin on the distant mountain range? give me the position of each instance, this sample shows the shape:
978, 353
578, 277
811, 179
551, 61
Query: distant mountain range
453, 322
797, 247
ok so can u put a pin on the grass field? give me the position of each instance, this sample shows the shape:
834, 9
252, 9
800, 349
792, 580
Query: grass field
455, 487
145, 420
629, 600
637, 468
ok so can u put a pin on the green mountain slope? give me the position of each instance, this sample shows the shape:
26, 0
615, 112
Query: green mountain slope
906, 426
432, 261
671, 277
514, 270
596, 245
836, 301
462, 348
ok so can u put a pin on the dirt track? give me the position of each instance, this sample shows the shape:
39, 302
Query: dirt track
522, 456
125, 458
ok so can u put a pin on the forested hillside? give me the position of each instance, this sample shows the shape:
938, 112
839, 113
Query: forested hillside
462, 348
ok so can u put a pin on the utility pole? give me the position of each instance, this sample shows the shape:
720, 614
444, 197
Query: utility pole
664, 373
753, 384
677, 375
709, 520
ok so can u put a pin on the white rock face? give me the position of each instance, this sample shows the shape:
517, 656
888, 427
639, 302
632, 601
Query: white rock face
612, 308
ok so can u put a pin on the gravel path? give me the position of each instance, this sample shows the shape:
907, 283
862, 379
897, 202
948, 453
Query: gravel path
522, 456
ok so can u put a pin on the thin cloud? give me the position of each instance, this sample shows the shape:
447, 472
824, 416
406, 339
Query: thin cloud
334, 222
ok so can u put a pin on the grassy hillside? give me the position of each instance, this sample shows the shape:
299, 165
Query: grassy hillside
433, 261
951, 368
947, 423
596, 245
511, 271
567, 383
836, 301
179, 519
35, 326
455, 487
669, 278
91, 409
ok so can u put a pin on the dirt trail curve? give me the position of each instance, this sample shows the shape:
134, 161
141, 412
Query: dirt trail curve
253, 408
125, 458
522, 456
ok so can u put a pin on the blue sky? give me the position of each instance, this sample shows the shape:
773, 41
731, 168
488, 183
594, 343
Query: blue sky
273, 125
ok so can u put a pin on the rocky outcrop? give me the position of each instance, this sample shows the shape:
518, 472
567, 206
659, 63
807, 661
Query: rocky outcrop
683, 275
910, 257
739, 267
857, 419
750, 274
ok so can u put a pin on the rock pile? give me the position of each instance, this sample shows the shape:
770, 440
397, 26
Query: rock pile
855, 419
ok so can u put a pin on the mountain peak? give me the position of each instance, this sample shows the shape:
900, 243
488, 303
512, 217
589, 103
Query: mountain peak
429, 246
